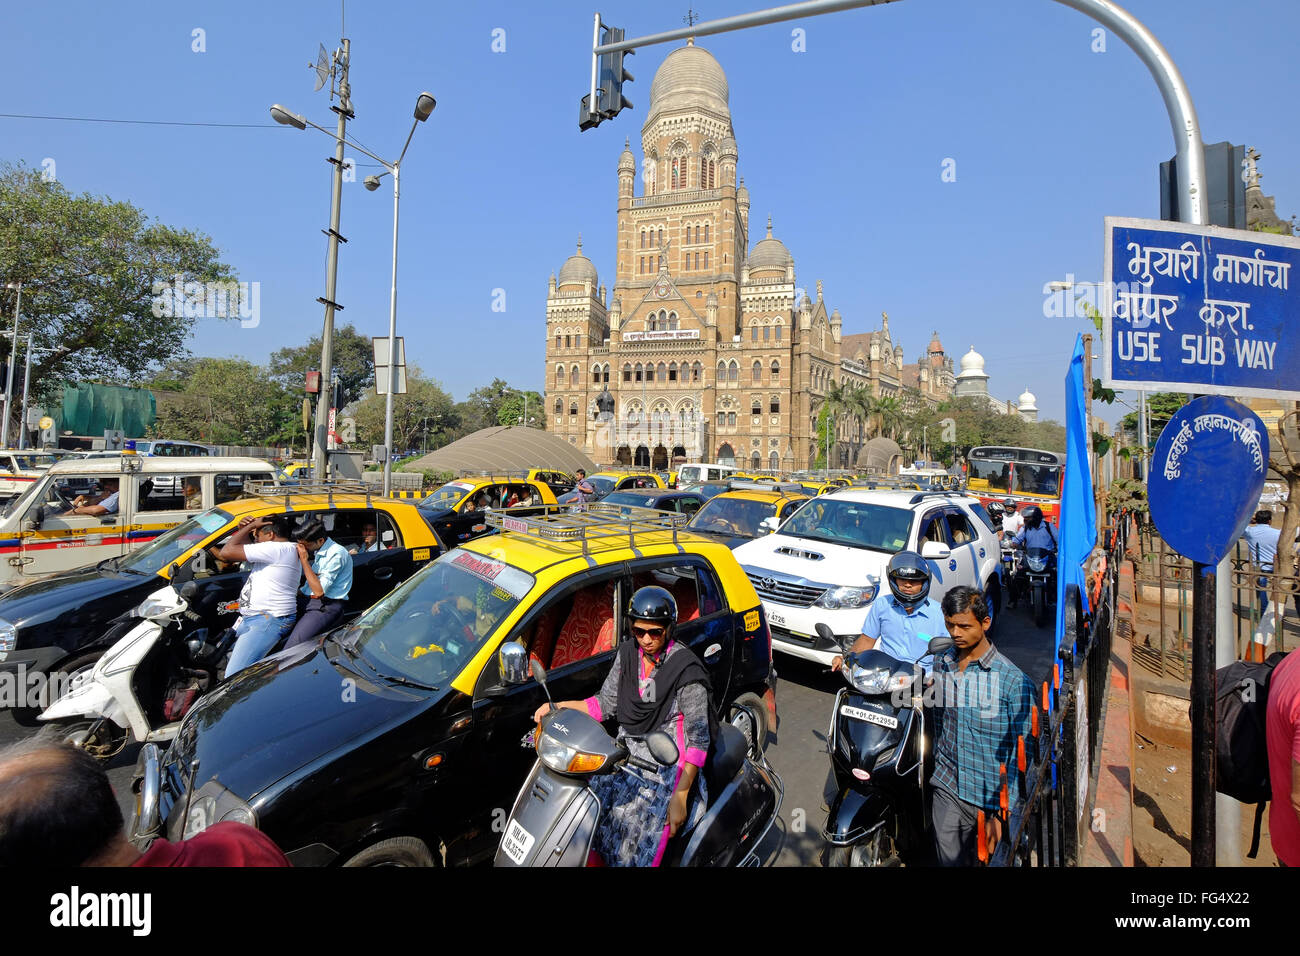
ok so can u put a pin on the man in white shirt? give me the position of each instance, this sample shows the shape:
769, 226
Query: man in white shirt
268, 605
1012, 521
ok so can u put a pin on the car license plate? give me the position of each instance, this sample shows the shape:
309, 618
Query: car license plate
777, 619
516, 843
870, 716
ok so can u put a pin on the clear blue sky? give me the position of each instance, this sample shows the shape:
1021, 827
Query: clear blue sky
842, 144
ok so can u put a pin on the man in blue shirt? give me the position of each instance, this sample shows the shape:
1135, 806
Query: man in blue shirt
1262, 539
902, 623
327, 567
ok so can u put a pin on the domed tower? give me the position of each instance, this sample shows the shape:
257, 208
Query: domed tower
1027, 405
577, 325
972, 381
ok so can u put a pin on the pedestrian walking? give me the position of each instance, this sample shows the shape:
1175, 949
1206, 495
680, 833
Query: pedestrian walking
1282, 730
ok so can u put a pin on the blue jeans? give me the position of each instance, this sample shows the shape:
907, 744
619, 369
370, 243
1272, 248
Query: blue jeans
256, 634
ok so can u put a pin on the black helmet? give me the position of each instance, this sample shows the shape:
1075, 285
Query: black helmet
653, 604
1033, 516
909, 566
1009, 504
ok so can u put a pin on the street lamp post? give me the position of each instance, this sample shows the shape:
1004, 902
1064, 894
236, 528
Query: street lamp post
27, 380
13, 358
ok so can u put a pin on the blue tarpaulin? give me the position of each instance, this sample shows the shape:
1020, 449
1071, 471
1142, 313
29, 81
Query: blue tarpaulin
1078, 530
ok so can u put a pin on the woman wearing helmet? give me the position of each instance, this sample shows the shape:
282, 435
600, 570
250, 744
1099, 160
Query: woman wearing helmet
902, 622
655, 684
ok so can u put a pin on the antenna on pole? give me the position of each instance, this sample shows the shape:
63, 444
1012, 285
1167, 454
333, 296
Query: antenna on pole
323, 67
691, 18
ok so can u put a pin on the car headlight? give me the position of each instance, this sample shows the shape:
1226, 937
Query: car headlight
849, 597
8, 636
877, 680
1036, 563
214, 804
565, 758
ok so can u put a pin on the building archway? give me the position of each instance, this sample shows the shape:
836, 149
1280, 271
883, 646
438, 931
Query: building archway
642, 458
624, 456
679, 454
659, 461
726, 455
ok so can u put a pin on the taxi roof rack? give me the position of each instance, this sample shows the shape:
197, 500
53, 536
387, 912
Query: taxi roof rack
596, 525
343, 486
741, 484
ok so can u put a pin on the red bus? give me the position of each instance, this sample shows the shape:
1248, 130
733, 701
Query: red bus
1027, 475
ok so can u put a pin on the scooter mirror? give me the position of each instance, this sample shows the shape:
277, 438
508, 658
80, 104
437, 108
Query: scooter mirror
939, 644
188, 590
662, 748
824, 632
539, 672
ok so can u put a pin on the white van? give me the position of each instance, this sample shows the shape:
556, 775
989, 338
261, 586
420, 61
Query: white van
706, 471
39, 535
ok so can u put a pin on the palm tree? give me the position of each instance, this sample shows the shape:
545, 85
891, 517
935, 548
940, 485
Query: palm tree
889, 412
837, 399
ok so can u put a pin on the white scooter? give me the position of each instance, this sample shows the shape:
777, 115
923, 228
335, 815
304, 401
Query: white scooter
145, 683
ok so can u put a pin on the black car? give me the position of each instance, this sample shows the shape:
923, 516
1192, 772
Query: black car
63, 623
395, 741
682, 502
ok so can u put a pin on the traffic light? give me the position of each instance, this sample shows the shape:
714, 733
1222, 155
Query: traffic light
611, 76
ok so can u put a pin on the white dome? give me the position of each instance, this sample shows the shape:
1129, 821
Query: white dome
689, 78
578, 269
972, 361
1028, 401
770, 253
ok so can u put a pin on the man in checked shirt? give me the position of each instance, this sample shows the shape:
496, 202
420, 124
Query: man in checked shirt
983, 704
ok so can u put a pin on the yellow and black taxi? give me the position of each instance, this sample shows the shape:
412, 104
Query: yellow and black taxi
558, 481
814, 487
458, 510
747, 510
64, 622
410, 761
611, 480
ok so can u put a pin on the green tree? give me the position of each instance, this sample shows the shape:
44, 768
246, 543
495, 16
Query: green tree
353, 357
227, 402
1160, 409
512, 410
90, 268
424, 415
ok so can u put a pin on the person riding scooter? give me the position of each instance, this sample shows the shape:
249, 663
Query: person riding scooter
655, 684
1036, 533
901, 624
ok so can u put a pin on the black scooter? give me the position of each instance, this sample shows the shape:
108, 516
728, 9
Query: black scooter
879, 752
556, 814
1039, 570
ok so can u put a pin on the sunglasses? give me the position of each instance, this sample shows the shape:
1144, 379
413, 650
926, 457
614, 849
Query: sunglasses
648, 631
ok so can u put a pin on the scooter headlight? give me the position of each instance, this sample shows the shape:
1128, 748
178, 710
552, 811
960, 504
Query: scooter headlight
563, 757
877, 680
1036, 563
155, 606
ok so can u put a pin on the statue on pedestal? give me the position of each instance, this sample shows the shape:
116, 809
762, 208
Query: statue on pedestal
604, 405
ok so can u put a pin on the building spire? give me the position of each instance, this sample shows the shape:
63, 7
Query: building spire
769, 225
579, 243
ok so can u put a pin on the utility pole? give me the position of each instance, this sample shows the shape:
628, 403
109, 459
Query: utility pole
9, 378
27, 380
320, 463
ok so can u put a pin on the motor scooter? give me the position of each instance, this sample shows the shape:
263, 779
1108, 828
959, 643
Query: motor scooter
1040, 568
147, 681
879, 753
1011, 560
557, 814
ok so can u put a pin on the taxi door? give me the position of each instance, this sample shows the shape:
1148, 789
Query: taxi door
54, 540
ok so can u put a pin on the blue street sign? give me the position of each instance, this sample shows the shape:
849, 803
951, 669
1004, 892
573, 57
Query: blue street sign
1201, 309
1206, 476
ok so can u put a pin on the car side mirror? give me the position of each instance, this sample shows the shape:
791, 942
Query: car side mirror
934, 551
512, 663
31, 524
768, 524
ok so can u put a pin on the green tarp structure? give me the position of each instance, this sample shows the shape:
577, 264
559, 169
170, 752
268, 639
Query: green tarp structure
93, 409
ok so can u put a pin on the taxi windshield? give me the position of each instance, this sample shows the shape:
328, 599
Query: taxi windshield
601, 485
166, 548
30, 462
732, 516
448, 496
428, 629
851, 523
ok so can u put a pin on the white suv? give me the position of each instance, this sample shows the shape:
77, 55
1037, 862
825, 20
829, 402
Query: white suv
826, 563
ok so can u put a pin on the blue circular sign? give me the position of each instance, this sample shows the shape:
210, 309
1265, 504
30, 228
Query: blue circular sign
1206, 476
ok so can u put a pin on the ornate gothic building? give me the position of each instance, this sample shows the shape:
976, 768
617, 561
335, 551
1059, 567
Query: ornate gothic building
707, 348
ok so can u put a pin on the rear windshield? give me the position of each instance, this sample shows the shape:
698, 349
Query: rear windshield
733, 516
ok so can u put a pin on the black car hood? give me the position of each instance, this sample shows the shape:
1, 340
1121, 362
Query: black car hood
285, 712
87, 592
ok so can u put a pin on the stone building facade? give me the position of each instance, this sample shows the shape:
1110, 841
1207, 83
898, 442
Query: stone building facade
709, 350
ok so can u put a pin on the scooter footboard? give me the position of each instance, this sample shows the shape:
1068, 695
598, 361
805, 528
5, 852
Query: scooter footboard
552, 823
737, 820
854, 814
88, 699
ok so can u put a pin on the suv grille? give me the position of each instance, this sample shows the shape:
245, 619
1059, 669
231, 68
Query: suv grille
785, 592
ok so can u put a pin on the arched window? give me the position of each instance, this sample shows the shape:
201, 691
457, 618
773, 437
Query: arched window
661, 236
559, 406
577, 341
568, 341
672, 321
672, 371
776, 369
758, 371
706, 260
663, 372
697, 371
733, 371
558, 339
627, 371
722, 371
697, 261
559, 375
573, 408
773, 461
574, 378
775, 404
642, 238
753, 333
722, 419
639, 372
778, 330
755, 406
604, 373
651, 323
767, 334
731, 418
595, 375
706, 225
757, 460
649, 372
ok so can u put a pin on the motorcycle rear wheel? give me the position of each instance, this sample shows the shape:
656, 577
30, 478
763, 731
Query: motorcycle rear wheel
878, 850
106, 743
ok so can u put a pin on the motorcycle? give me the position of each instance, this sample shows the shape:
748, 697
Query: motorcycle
147, 681
557, 814
879, 751
1040, 568
1010, 570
